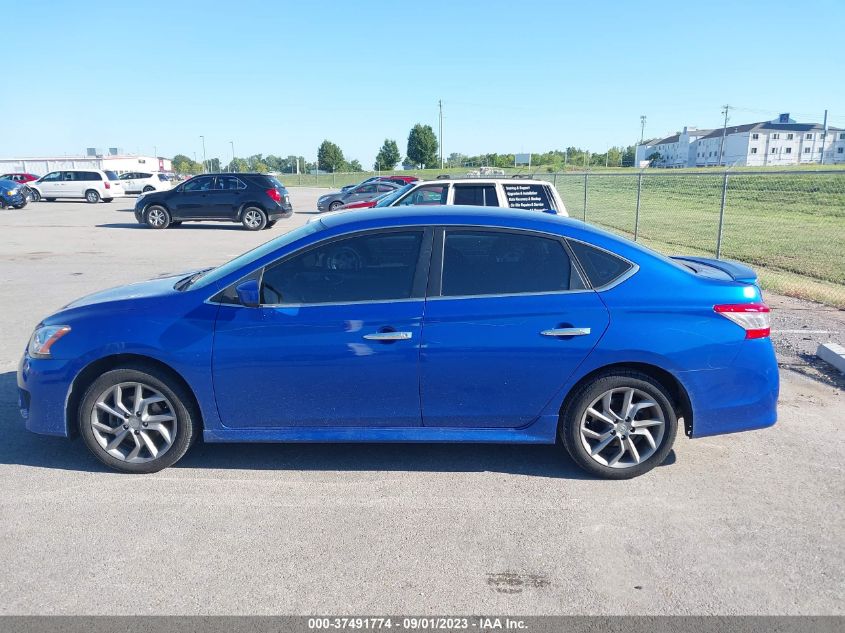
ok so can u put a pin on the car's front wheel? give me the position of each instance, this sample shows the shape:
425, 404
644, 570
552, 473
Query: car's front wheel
157, 217
254, 219
334, 206
34, 196
620, 425
148, 189
138, 420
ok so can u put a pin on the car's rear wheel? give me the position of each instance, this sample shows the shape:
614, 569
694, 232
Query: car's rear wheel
254, 219
334, 205
138, 420
92, 196
148, 189
620, 425
157, 217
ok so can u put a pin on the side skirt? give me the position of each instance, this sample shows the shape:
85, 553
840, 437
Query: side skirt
542, 431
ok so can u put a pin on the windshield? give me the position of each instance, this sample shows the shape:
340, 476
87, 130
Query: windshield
390, 198
215, 274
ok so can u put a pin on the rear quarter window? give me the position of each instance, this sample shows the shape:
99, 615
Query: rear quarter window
601, 267
110, 175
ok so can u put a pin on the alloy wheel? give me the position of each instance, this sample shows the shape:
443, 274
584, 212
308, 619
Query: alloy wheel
252, 218
622, 428
156, 217
133, 422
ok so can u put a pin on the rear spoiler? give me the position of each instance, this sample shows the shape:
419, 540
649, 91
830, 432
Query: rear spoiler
719, 268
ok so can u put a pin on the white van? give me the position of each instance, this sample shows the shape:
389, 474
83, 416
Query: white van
91, 184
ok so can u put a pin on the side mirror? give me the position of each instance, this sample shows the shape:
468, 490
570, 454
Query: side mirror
249, 293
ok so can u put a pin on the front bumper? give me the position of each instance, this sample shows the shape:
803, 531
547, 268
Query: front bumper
43, 390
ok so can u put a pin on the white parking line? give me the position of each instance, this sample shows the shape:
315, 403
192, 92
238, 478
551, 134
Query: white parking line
805, 332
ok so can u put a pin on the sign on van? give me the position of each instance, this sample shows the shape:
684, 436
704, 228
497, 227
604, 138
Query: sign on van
532, 197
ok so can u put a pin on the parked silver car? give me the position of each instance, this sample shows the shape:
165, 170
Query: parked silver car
364, 191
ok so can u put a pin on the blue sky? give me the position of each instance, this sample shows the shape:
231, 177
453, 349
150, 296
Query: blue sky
279, 77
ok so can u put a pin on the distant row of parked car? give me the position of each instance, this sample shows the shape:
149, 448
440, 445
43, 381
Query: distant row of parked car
393, 191
92, 185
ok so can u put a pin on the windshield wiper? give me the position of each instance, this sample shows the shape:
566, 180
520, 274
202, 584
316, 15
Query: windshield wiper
184, 284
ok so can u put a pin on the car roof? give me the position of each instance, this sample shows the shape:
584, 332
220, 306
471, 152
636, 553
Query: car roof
486, 180
448, 214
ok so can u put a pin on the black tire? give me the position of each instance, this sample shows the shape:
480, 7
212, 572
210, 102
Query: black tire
187, 418
253, 219
148, 189
92, 196
334, 205
34, 196
20, 206
575, 411
157, 217
107, 199
50, 199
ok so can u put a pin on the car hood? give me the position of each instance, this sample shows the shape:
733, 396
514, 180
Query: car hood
158, 287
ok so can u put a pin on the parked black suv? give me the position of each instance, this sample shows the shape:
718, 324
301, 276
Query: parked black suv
255, 200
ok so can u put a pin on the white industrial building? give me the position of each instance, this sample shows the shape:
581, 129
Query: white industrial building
113, 160
779, 142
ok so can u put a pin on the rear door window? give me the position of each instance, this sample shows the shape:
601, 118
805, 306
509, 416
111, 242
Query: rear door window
480, 262
476, 195
529, 196
601, 267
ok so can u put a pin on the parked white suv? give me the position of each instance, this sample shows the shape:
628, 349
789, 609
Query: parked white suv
91, 184
145, 182
515, 193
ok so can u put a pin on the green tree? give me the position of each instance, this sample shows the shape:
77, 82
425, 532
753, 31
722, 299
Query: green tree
388, 155
422, 146
184, 165
355, 165
330, 157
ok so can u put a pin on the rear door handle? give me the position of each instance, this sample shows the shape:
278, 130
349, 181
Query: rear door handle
388, 336
566, 331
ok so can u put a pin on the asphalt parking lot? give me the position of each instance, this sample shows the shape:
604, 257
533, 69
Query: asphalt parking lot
750, 523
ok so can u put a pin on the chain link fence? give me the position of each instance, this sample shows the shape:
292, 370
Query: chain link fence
790, 226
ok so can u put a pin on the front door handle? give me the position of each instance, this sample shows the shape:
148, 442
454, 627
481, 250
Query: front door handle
388, 336
566, 331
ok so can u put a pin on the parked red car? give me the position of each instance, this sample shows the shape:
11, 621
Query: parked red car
20, 177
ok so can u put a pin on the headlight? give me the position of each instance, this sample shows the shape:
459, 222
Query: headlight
321, 198
43, 339
12, 192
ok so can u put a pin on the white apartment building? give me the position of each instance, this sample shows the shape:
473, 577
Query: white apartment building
674, 151
779, 142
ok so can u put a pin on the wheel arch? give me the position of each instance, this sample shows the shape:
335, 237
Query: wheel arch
96, 368
676, 389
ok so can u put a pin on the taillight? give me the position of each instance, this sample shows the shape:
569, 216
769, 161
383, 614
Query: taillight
108, 185
274, 193
751, 317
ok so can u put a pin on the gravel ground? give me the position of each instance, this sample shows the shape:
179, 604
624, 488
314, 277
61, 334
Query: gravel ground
750, 523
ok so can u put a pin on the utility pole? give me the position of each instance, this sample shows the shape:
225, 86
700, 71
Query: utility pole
824, 139
642, 128
204, 163
440, 105
232, 143
725, 110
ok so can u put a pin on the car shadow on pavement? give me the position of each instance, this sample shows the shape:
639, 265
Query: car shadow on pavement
19, 446
182, 227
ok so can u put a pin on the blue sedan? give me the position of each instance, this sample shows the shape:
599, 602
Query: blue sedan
460, 324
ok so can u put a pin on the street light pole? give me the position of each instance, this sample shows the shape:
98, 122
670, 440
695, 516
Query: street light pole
204, 163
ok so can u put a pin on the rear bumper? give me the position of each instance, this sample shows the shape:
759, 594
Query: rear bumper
281, 212
740, 397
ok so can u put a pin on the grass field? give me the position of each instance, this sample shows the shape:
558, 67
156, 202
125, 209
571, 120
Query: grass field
789, 226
